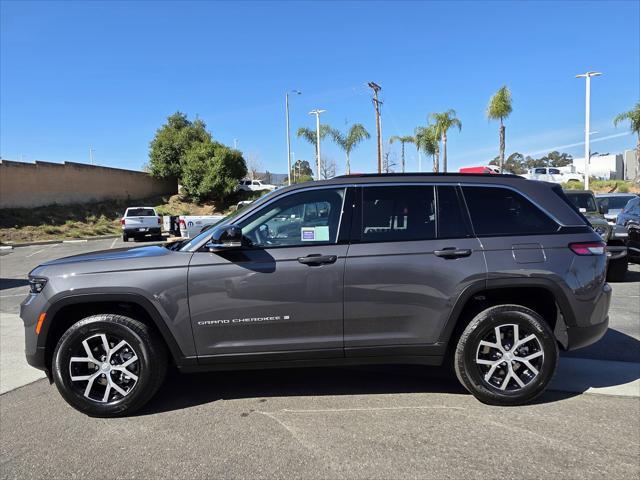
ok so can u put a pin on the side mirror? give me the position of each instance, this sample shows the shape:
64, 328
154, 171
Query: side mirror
582, 210
224, 238
602, 209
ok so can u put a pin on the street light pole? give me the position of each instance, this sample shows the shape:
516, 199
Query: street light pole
286, 107
317, 113
376, 103
587, 119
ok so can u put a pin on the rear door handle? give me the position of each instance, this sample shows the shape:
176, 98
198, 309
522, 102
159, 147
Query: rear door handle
452, 252
317, 259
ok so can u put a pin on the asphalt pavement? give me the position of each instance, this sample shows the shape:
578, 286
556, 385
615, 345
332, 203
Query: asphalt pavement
358, 422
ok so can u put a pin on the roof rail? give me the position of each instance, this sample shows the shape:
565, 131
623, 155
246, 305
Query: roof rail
418, 174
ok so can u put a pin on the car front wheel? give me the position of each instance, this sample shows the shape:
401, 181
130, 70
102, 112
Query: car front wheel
109, 365
507, 355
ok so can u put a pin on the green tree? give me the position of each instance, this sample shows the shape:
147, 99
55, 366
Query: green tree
426, 140
633, 117
403, 140
349, 140
557, 159
443, 122
513, 164
212, 170
171, 142
301, 171
500, 107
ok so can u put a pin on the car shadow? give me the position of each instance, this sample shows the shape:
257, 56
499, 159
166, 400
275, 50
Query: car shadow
613, 346
190, 390
631, 276
8, 283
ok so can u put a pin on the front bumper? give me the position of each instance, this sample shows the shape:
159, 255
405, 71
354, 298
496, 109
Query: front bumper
34, 349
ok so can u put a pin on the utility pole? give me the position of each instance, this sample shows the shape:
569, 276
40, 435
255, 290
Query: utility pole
91, 150
235, 143
376, 103
587, 120
286, 108
317, 113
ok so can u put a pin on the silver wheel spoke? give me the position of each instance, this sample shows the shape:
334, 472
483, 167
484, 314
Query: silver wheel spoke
133, 376
105, 344
516, 335
129, 362
515, 376
480, 361
84, 360
527, 364
484, 343
107, 391
117, 388
489, 374
533, 355
499, 338
505, 382
524, 340
80, 378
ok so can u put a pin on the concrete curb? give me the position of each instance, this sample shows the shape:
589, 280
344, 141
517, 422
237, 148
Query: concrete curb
50, 242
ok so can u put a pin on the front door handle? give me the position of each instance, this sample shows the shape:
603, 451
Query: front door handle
452, 252
316, 259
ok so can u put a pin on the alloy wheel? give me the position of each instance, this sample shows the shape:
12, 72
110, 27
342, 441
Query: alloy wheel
509, 357
104, 368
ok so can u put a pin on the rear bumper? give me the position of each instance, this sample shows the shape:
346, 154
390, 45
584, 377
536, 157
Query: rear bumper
134, 232
584, 335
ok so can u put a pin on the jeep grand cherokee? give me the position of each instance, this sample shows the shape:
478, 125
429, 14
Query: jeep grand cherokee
491, 272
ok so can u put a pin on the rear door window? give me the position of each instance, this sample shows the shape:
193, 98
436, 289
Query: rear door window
501, 211
396, 213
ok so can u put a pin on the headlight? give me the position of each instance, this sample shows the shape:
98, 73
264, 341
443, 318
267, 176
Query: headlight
37, 284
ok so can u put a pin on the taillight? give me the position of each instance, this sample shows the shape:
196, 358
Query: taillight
122, 222
588, 248
159, 221
182, 223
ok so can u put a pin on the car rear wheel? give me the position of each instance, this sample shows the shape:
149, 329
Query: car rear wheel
109, 365
507, 355
125, 237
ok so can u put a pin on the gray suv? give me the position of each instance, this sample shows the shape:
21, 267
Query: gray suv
490, 273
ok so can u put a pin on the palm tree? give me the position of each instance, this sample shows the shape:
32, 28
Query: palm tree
443, 122
499, 108
356, 134
402, 139
310, 135
426, 140
633, 116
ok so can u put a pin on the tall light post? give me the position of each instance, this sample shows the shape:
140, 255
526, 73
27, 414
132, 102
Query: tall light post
587, 114
317, 113
286, 107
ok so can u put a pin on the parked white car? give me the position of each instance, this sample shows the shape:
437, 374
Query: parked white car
551, 174
192, 225
254, 186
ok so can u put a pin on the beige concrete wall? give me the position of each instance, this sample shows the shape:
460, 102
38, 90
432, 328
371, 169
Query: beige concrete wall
44, 183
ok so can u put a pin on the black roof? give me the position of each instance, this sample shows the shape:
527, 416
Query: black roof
427, 174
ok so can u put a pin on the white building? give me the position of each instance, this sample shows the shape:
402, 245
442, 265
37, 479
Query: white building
604, 167
630, 164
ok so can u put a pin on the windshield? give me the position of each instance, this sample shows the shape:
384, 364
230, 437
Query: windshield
614, 203
583, 200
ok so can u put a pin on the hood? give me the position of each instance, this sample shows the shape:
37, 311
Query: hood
115, 254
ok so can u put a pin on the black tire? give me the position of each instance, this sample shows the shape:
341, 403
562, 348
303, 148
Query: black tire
125, 237
472, 375
617, 269
150, 366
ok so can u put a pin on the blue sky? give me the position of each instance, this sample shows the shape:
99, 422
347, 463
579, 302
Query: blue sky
107, 74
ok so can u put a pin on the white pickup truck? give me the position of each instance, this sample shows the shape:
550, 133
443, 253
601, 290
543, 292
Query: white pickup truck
138, 222
254, 186
551, 174
192, 225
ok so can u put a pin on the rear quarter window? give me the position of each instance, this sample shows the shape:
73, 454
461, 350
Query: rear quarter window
501, 211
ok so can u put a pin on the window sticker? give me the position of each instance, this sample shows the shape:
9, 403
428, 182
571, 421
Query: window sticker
314, 234
322, 234
307, 234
